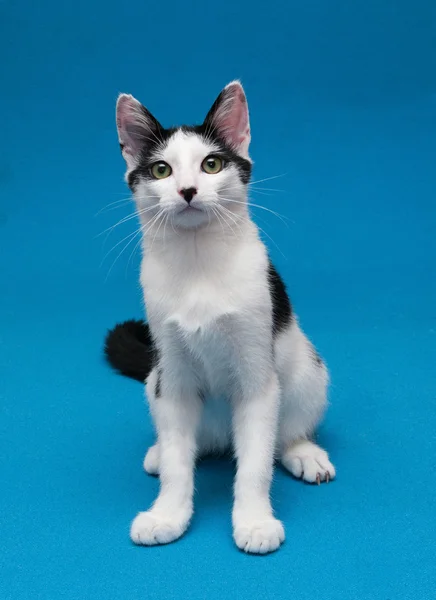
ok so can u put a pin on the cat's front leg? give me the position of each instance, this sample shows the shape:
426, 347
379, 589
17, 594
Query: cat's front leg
255, 413
176, 411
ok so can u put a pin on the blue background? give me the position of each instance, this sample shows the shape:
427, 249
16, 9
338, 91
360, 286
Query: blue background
343, 105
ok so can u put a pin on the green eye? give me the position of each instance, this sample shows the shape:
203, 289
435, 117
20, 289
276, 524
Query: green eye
161, 170
212, 165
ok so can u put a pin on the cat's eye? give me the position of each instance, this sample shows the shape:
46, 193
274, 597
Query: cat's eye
212, 165
161, 170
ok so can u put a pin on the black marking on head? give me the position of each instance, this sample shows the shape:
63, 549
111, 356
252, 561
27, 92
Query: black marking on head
146, 156
210, 135
282, 309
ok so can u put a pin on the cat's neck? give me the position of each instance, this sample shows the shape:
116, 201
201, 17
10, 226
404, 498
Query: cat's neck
206, 248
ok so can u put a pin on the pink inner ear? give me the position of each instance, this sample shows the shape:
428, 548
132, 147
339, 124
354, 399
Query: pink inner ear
236, 122
132, 125
232, 119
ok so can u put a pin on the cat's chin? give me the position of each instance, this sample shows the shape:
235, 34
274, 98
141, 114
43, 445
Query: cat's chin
190, 218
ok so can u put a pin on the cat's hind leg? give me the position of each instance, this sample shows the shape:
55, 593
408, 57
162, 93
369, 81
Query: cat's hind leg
307, 461
151, 460
304, 380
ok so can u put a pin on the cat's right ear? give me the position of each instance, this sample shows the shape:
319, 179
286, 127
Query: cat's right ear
136, 128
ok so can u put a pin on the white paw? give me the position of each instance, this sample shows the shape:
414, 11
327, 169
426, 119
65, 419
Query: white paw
307, 461
151, 460
259, 536
148, 529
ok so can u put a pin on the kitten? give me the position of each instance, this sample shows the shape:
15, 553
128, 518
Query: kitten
225, 362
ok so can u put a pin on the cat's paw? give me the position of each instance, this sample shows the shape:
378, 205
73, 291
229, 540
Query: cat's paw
148, 529
307, 461
259, 536
151, 460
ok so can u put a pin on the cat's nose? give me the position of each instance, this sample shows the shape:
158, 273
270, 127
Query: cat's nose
188, 193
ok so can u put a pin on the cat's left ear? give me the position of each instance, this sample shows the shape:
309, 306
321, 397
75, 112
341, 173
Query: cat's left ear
229, 118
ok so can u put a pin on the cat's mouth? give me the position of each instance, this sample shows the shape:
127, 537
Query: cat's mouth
189, 209
190, 216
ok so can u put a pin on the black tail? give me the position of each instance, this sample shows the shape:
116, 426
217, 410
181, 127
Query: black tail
129, 349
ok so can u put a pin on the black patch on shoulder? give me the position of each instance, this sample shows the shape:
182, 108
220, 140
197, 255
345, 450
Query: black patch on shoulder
282, 308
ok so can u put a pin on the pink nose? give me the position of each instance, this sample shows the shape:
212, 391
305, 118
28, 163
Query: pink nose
188, 193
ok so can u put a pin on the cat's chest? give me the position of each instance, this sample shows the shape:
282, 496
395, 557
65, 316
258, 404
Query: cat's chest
201, 298
209, 336
203, 318
193, 303
201, 311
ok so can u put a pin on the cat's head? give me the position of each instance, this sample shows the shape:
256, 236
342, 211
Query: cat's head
192, 174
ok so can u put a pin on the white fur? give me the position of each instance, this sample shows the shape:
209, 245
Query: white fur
220, 192
204, 279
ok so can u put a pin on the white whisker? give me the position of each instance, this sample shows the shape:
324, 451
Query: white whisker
157, 230
165, 227
117, 244
133, 252
136, 233
248, 203
267, 179
215, 212
257, 189
231, 216
260, 229
136, 213
114, 204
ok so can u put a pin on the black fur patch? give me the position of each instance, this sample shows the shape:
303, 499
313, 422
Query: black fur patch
160, 138
130, 350
282, 309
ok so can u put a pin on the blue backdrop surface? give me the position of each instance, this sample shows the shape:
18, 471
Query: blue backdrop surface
343, 107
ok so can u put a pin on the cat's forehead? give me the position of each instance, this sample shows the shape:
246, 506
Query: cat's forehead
185, 146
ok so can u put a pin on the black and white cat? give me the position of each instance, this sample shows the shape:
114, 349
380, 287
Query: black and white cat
225, 362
